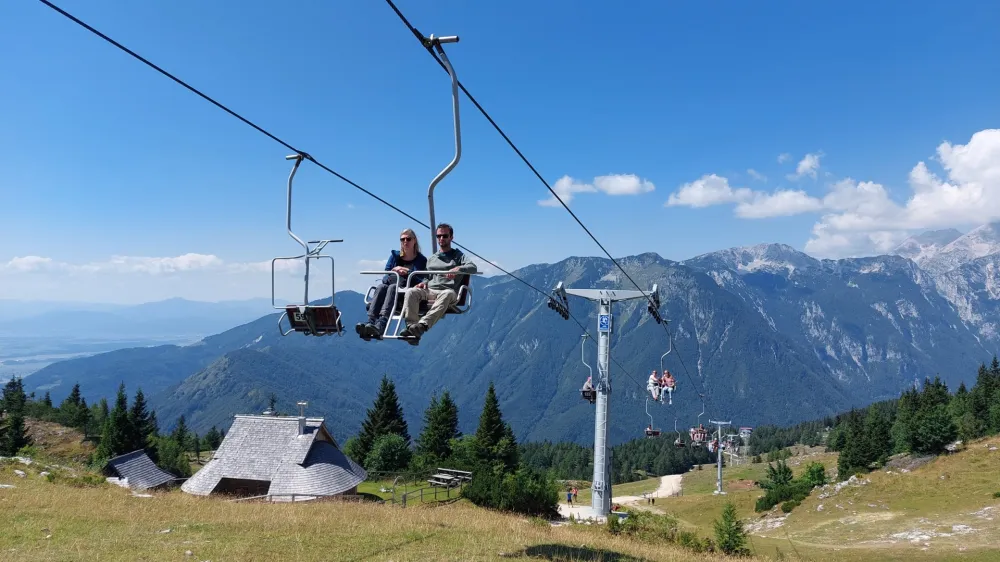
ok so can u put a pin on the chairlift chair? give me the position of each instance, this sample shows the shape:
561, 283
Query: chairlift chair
464, 302
309, 319
679, 442
650, 431
587, 392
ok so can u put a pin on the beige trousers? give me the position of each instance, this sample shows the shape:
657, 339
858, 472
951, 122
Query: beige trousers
440, 301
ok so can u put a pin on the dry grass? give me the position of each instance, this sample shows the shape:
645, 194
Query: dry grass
59, 441
859, 522
40, 520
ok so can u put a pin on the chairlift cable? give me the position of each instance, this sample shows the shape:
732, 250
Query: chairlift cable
270, 135
343, 178
420, 37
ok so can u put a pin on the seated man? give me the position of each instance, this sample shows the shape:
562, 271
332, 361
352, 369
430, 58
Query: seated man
441, 289
653, 385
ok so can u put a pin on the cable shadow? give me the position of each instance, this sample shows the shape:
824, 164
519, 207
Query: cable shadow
560, 552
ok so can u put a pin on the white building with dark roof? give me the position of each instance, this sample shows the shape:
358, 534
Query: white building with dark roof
277, 456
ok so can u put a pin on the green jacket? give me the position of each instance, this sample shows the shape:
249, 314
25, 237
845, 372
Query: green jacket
448, 260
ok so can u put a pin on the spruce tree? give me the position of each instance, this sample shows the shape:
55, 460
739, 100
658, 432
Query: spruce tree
492, 447
440, 427
14, 398
213, 439
47, 400
181, 435
877, 436
729, 534
140, 428
384, 417
491, 426
13, 434
904, 428
114, 437
82, 419
852, 456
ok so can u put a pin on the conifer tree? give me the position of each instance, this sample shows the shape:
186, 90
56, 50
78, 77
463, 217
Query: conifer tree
114, 437
384, 417
933, 427
140, 427
82, 419
491, 426
440, 427
181, 435
852, 456
14, 398
47, 400
729, 534
13, 434
495, 440
877, 436
904, 428
213, 439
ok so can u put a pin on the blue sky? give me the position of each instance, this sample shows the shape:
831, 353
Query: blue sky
101, 157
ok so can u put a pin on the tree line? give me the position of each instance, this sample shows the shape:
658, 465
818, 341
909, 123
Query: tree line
630, 461
115, 430
500, 480
922, 421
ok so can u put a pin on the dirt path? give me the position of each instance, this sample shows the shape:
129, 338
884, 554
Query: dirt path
669, 486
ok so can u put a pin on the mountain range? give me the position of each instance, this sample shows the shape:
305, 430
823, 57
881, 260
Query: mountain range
765, 333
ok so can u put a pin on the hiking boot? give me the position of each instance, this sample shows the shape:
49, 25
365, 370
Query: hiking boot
375, 331
412, 333
362, 330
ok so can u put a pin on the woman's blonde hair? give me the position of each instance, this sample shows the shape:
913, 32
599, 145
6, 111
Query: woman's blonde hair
416, 243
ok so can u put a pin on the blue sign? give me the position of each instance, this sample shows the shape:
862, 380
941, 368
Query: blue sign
604, 323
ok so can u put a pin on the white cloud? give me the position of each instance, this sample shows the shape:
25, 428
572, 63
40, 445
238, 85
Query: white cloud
623, 184
566, 187
149, 266
28, 264
707, 190
784, 157
861, 217
808, 166
756, 175
616, 184
781, 203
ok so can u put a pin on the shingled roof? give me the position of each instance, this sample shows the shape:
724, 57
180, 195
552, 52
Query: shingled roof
271, 448
139, 471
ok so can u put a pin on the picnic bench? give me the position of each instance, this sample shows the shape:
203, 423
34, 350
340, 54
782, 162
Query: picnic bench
449, 478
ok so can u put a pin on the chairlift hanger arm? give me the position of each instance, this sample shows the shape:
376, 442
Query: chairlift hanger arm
436, 42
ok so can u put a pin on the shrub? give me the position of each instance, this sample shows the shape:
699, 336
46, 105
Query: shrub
525, 491
796, 490
815, 474
996, 494
788, 506
389, 453
645, 525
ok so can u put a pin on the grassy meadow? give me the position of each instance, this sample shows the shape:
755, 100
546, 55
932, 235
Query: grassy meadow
68, 520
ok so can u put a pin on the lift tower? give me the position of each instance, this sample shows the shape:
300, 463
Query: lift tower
601, 487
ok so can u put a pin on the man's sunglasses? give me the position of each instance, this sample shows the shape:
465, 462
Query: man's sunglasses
405, 239
443, 235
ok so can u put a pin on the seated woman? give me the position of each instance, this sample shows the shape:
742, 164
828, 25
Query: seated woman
667, 383
408, 258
